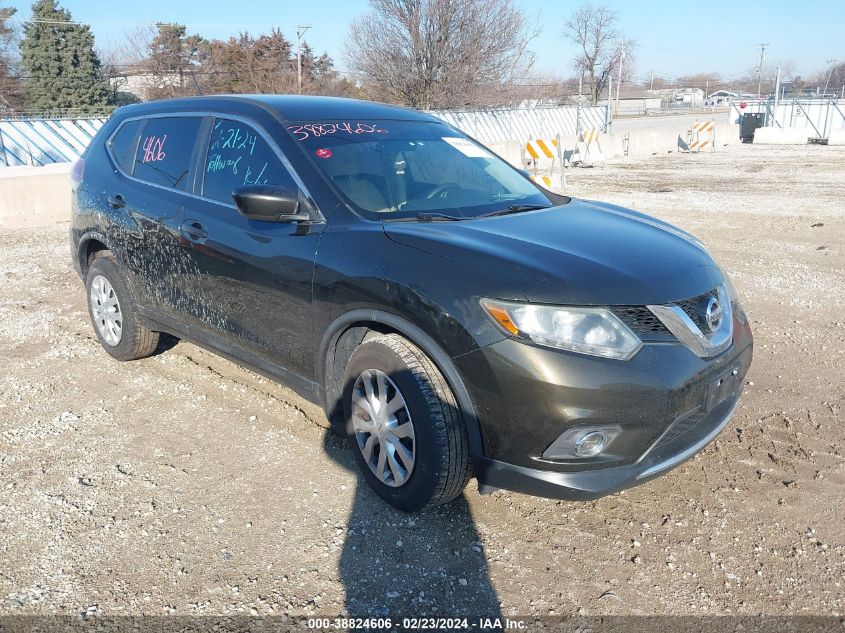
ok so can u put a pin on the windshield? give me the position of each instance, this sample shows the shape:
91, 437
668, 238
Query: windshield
399, 169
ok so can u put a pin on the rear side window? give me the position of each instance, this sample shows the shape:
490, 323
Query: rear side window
123, 144
165, 149
237, 156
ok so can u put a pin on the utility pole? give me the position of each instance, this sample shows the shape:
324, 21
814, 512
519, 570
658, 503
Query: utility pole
300, 31
652, 81
760, 69
578, 117
619, 80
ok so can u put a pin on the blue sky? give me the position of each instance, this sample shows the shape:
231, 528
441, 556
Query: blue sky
674, 37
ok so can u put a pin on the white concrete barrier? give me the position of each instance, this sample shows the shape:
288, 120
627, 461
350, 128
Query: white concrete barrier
511, 151
34, 196
837, 136
647, 142
781, 135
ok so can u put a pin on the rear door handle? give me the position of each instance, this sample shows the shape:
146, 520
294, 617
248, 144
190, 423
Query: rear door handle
116, 201
193, 231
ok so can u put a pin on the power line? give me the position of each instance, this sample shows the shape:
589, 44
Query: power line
697, 47
104, 23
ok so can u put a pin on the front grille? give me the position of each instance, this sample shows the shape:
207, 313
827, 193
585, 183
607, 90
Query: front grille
693, 308
643, 323
648, 327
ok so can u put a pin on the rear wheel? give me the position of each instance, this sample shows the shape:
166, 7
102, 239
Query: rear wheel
113, 312
409, 437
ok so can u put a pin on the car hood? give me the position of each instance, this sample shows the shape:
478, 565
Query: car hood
581, 253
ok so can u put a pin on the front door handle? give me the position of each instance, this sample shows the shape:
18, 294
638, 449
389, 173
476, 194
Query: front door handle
193, 231
116, 201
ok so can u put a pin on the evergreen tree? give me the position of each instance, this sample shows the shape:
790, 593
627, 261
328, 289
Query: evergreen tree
59, 58
174, 58
10, 89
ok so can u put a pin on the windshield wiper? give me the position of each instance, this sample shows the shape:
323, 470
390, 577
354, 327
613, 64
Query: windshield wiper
437, 217
515, 208
443, 217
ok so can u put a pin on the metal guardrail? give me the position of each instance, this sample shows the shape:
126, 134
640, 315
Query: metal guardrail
44, 141
524, 124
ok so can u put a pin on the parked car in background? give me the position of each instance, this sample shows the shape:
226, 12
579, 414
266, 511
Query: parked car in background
452, 317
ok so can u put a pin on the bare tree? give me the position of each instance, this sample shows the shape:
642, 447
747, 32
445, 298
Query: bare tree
708, 81
162, 61
116, 71
267, 64
247, 64
440, 53
600, 46
834, 79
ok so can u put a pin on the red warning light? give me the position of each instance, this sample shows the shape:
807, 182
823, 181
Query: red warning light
742, 105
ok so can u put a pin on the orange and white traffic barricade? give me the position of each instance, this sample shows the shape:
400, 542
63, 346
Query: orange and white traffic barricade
587, 148
544, 180
541, 155
700, 135
539, 147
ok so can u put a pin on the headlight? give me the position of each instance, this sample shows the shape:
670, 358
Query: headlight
733, 296
594, 331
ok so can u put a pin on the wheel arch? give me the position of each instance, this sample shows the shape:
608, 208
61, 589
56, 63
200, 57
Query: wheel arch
89, 245
347, 331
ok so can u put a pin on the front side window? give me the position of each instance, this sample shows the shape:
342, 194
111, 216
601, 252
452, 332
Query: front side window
394, 169
165, 149
238, 156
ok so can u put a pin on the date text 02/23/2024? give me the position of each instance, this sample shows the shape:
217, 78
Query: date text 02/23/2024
417, 624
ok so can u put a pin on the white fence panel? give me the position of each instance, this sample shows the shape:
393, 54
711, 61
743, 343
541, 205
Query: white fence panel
819, 116
523, 124
45, 141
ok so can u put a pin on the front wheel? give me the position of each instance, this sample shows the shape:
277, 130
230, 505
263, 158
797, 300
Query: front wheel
409, 437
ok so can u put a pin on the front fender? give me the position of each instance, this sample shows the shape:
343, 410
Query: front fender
331, 390
362, 278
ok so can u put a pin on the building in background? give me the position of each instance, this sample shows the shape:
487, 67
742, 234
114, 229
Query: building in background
635, 102
689, 97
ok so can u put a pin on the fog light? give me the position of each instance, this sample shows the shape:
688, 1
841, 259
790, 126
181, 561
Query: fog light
582, 442
590, 444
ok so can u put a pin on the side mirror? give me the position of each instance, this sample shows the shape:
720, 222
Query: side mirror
269, 203
525, 173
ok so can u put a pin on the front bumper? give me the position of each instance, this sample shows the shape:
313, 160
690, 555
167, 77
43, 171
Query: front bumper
591, 484
527, 396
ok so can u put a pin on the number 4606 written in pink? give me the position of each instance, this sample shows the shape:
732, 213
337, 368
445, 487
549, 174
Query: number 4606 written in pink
154, 148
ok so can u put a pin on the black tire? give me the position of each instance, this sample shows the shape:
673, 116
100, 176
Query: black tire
136, 341
442, 465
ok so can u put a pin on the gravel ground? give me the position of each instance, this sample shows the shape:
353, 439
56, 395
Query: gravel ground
182, 484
